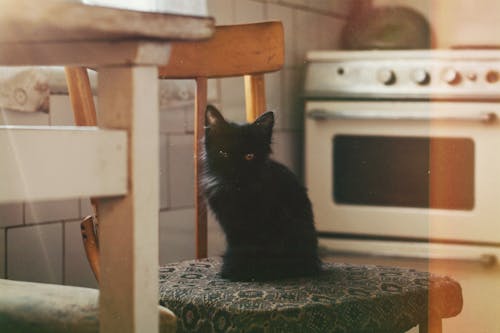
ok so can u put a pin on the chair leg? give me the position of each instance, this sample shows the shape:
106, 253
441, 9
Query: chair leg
200, 205
84, 112
82, 102
91, 245
80, 94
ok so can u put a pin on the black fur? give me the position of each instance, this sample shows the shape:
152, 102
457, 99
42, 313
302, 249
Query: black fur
261, 206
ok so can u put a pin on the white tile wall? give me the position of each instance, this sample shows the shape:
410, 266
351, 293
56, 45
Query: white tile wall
60, 111
287, 148
181, 91
192, 7
164, 185
85, 208
189, 118
8, 117
428, 8
174, 121
177, 238
339, 7
181, 166
222, 11
292, 84
2, 253
248, 11
285, 15
47, 211
273, 85
216, 238
233, 98
77, 271
306, 36
295, 2
11, 215
329, 38
212, 90
35, 253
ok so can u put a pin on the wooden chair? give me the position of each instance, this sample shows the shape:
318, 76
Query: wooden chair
346, 298
242, 50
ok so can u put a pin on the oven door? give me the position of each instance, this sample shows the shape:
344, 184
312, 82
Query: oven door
413, 170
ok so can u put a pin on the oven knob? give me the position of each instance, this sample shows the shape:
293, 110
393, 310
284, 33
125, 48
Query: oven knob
492, 76
451, 76
386, 76
421, 77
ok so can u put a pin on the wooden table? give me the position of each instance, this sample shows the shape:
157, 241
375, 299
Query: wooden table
118, 160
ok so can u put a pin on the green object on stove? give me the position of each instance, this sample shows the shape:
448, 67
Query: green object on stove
387, 28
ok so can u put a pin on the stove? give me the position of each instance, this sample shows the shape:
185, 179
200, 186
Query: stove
402, 144
401, 161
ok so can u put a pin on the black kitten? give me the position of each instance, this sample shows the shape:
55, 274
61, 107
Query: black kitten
261, 206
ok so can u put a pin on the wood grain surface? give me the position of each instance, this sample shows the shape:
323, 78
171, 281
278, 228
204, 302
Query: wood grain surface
232, 51
55, 20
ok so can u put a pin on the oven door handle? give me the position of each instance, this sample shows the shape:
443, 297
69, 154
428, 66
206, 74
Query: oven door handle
486, 260
487, 117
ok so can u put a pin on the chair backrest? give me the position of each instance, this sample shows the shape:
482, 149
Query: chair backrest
234, 50
248, 50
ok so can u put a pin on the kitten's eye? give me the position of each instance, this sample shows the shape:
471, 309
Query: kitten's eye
249, 156
223, 154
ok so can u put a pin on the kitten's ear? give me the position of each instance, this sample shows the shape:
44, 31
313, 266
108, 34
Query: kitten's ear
264, 125
213, 117
265, 121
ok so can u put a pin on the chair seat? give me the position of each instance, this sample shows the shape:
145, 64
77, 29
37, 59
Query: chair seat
52, 308
345, 298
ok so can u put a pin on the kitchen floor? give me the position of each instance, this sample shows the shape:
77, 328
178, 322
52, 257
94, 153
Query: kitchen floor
480, 287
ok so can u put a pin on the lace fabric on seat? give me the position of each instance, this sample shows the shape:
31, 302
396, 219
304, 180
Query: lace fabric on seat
345, 298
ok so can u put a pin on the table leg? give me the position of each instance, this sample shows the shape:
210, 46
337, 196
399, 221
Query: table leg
128, 99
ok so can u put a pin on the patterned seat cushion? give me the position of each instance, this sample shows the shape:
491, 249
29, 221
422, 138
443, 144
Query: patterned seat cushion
345, 298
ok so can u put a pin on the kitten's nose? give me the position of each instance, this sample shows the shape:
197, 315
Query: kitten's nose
249, 156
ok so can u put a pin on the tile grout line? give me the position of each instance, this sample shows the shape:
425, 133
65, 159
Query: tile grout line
43, 223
